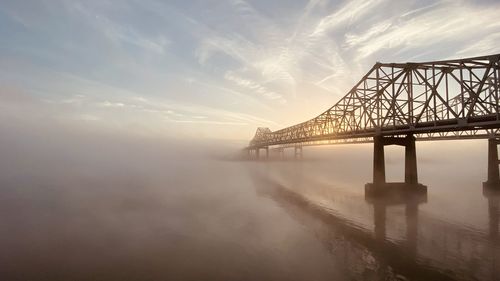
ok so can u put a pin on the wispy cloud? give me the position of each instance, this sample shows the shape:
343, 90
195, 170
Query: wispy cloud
427, 26
349, 13
238, 63
121, 33
254, 86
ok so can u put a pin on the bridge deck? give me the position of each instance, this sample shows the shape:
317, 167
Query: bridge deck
438, 100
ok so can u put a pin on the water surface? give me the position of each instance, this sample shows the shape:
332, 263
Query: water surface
132, 211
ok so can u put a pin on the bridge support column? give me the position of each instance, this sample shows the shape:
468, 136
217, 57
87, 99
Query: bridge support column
378, 161
257, 152
298, 152
411, 173
281, 152
493, 162
379, 185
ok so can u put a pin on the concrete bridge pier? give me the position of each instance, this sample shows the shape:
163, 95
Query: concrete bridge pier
298, 152
267, 152
493, 162
281, 152
251, 153
257, 152
379, 185
411, 172
378, 161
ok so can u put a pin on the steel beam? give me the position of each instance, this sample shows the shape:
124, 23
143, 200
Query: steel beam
405, 98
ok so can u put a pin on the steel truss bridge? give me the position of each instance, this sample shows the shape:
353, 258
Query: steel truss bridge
398, 103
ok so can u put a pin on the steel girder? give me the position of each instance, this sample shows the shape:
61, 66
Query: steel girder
432, 100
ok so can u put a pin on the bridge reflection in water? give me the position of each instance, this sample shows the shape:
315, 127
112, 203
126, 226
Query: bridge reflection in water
425, 249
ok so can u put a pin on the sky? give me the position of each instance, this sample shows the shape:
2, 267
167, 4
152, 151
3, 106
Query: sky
214, 69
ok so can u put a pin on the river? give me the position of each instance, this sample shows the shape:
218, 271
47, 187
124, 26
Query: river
147, 211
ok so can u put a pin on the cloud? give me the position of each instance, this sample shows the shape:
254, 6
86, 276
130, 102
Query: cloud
122, 33
425, 27
350, 12
150, 110
487, 45
111, 104
254, 86
234, 62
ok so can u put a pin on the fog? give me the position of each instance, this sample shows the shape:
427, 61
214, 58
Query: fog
122, 125
85, 204
82, 201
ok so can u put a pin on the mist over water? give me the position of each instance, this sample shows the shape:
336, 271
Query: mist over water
123, 123
110, 206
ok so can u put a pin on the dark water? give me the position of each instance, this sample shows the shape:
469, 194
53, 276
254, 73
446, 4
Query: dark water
143, 212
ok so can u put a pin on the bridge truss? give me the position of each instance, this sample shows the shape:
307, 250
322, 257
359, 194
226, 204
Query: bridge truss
436, 100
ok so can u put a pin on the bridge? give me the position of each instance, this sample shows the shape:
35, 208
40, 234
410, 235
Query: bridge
398, 104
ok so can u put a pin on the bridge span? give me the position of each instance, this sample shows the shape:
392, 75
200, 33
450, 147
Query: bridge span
400, 103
